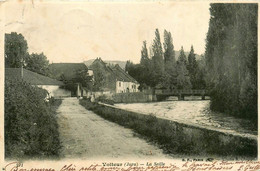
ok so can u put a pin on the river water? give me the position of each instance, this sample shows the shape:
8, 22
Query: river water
193, 113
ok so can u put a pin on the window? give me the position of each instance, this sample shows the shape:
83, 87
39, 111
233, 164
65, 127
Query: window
119, 84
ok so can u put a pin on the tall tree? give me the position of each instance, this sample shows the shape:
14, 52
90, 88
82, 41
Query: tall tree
201, 74
128, 66
99, 79
144, 55
231, 58
192, 68
157, 58
169, 61
38, 63
183, 79
169, 54
16, 50
182, 58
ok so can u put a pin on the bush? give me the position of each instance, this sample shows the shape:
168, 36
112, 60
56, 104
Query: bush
31, 128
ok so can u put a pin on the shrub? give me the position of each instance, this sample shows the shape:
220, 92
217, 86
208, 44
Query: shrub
31, 128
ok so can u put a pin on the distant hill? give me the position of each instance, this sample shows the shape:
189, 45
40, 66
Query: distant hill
177, 54
120, 63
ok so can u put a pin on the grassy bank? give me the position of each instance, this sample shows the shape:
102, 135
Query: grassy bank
31, 128
176, 138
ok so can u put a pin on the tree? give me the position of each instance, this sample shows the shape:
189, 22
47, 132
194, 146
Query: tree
169, 54
99, 79
231, 59
201, 74
183, 79
16, 50
182, 58
169, 61
38, 63
83, 77
157, 58
128, 66
144, 55
193, 68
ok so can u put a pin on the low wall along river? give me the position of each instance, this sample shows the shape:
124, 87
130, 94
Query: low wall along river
188, 137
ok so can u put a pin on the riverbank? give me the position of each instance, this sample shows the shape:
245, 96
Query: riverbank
179, 138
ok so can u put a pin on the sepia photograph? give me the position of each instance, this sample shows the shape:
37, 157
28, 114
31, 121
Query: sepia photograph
129, 80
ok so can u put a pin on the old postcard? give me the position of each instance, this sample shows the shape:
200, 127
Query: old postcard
129, 85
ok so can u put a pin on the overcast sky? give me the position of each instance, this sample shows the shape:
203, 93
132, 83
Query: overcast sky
74, 32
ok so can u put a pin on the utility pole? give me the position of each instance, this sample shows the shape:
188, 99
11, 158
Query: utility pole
22, 72
22, 68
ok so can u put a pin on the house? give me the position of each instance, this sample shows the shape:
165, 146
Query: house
124, 82
69, 72
49, 84
111, 78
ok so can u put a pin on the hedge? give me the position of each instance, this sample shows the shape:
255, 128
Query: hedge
31, 128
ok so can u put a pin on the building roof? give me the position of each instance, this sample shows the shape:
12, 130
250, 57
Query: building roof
122, 75
116, 71
68, 70
30, 77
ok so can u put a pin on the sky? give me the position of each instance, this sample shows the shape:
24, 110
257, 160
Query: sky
79, 31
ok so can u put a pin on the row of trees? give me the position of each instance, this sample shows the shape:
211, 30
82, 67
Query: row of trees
231, 58
160, 68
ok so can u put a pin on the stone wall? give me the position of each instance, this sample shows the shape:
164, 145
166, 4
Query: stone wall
133, 97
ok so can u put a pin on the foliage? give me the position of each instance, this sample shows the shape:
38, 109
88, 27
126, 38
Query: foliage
183, 79
144, 55
31, 128
139, 72
162, 70
182, 58
196, 71
99, 79
231, 58
38, 63
128, 66
200, 82
83, 77
157, 58
16, 55
16, 50
169, 54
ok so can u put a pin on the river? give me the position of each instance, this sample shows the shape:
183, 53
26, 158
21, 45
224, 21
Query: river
194, 113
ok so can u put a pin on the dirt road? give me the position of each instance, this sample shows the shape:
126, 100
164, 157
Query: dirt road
86, 135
